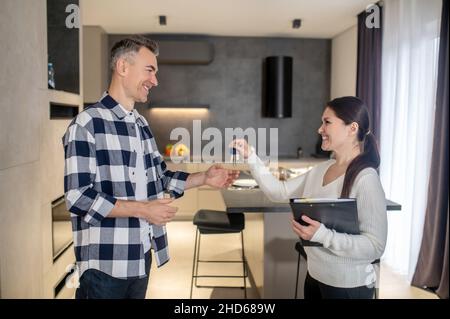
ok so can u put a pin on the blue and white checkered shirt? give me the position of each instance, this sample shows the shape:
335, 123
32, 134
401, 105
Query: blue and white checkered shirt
100, 164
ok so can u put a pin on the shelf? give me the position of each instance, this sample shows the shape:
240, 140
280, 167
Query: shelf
63, 111
63, 97
61, 290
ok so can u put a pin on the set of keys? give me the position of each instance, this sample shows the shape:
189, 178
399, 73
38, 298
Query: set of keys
234, 155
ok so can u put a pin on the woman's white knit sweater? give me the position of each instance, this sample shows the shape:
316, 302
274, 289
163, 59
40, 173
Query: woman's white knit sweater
344, 260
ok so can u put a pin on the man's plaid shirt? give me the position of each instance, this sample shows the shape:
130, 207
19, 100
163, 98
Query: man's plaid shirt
99, 168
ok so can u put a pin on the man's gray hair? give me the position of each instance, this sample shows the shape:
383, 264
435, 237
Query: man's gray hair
129, 46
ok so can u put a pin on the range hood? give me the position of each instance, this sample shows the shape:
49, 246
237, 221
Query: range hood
277, 87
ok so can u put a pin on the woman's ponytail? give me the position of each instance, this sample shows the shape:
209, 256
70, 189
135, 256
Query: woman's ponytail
369, 157
351, 109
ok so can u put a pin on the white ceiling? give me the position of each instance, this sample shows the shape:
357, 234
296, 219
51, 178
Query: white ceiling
269, 18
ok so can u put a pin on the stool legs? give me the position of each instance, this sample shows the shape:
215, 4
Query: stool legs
377, 265
198, 257
194, 264
298, 270
196, 260
244, 268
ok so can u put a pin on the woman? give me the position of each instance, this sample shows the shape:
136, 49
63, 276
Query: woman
342, 267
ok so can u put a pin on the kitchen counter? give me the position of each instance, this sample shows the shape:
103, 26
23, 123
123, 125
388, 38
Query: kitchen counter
198, 160
205, 197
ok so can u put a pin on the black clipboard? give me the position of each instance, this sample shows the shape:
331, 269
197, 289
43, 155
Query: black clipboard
338, 214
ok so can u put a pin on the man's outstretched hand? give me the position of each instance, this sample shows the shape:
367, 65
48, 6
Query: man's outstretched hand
219, 177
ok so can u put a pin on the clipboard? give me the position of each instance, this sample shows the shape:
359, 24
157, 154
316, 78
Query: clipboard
339, 214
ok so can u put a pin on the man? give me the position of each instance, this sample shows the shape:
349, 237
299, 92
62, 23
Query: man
115, 180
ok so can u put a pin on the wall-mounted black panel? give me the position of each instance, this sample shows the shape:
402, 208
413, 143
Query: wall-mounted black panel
277, 87
63, 46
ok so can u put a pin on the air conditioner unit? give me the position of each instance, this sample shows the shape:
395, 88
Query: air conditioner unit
185, 52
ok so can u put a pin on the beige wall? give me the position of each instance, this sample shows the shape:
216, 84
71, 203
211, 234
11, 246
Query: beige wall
95, 68
343, 63
31, 154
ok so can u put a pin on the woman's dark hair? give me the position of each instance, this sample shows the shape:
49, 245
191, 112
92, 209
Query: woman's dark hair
351, 109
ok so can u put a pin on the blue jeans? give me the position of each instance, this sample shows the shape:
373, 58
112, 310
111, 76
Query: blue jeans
95, 284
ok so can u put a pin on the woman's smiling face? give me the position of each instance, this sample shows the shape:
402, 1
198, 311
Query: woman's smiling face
335, 133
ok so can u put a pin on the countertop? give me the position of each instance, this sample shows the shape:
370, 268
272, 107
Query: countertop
197, 160
255, 201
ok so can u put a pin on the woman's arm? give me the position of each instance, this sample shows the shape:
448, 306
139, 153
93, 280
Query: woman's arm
276, 190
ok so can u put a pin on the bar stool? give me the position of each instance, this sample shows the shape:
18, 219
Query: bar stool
302, 253
376, 265
218, 222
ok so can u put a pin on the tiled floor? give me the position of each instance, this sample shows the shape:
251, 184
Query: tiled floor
173, 279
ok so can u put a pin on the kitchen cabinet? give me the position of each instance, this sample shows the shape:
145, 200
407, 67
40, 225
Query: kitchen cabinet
63, 102
187, 205
210, 198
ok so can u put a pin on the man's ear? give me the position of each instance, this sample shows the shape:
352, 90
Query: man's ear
121, 66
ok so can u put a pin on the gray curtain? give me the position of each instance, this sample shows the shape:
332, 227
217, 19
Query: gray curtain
368, 82
432, 265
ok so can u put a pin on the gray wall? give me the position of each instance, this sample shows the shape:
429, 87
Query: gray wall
231, 86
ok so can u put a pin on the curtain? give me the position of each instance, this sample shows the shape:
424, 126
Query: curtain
432, 265
368, 82
409, 77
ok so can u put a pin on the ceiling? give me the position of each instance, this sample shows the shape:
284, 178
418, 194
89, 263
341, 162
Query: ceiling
268, 18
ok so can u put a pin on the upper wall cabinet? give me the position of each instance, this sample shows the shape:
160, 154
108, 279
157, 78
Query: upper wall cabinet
63, 35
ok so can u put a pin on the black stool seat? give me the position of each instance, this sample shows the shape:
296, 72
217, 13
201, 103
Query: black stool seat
218, 222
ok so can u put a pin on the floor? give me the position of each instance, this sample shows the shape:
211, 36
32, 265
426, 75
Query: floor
395, 286
173, 279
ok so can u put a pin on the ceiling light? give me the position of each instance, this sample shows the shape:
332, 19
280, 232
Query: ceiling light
296, 23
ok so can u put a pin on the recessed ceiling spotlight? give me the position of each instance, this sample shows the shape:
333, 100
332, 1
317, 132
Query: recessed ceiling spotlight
162, 20
296, 23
